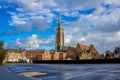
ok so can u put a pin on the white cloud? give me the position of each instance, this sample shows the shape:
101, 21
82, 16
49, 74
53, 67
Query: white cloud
0, 6
35, 41
113, 2
99, 10
18, 21
46, 7
101, 28
101, 41
21, 21
36, 13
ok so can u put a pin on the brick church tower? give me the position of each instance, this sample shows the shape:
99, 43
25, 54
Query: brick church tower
59, 36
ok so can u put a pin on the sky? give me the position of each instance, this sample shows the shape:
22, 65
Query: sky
34, 22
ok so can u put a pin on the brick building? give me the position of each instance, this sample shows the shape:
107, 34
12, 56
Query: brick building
82, 52
45, 55
13, 57
35, 55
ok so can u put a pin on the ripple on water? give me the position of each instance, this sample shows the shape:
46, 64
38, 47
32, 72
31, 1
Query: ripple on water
73, 72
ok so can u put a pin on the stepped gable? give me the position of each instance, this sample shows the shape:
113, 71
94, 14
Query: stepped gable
71, 52
84, 47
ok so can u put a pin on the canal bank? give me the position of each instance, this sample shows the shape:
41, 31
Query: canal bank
84, 61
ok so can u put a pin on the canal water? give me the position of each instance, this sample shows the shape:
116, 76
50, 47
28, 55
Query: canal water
70, 71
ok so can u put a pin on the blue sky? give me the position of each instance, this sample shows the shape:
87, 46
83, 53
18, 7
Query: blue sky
33, 22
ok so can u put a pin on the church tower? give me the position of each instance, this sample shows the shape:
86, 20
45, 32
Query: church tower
59, 36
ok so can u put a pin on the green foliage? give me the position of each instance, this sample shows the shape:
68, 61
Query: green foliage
2, 52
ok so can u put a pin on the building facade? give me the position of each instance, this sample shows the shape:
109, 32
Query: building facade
82, 51
117, 52
108, 54
32, 55
13, 56
45, 55
59, 36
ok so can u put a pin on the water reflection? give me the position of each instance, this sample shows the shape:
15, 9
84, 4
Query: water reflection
71, 71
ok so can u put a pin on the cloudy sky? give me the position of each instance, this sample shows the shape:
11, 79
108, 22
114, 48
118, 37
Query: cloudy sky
33, 22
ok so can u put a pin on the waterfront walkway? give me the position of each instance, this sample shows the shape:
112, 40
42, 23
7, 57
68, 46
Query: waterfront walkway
6, 75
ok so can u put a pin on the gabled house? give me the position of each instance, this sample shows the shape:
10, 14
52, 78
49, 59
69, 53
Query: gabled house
82, 52
71, 53
108, 54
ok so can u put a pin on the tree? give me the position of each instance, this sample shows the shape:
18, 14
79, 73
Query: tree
2, 52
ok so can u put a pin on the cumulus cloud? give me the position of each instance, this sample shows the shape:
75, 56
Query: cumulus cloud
0, 6
101, 41
21, 21
100, 27
40, 9
35, 41
35, 14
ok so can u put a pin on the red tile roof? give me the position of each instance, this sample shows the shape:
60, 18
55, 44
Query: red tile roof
84, 47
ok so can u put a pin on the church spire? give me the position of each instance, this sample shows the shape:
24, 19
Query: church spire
59, 36
59, 23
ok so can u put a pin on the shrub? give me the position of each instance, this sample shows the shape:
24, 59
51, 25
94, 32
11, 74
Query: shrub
2, 53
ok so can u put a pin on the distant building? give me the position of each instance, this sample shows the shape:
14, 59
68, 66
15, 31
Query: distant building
13, 56
108, 54
101, 56
61, 52
71, 53
82, 52
59, 36
45, 55
31, 55
117, 52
